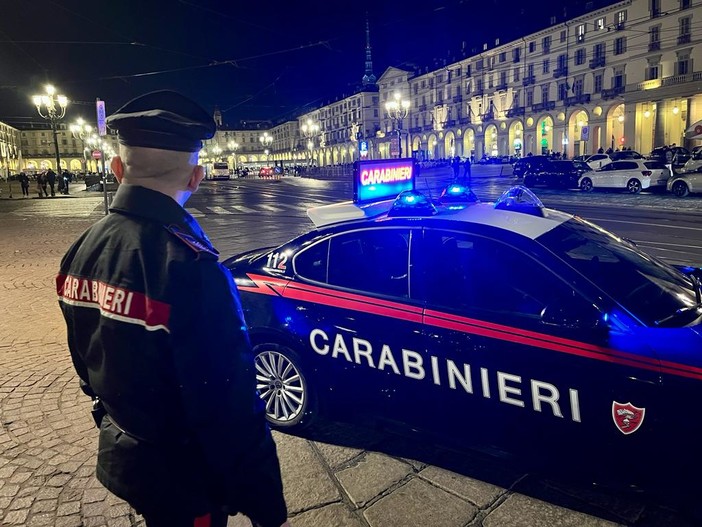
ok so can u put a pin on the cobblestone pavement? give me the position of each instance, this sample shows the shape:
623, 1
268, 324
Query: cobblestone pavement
48, 440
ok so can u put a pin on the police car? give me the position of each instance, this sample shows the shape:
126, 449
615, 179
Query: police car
502, 326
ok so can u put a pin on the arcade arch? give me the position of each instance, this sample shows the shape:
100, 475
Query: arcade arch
516, 139
544, 134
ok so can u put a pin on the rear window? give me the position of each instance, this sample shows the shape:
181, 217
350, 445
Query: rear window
625, 165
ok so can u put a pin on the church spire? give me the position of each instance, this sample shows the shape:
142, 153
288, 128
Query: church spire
368, 77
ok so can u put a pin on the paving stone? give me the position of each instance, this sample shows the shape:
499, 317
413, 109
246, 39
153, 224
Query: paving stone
337, 515
306, 480
519, 510
419, 503
477, 492
15, 517
371, 476
337, 455
66, 508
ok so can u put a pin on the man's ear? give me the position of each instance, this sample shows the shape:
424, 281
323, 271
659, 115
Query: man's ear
196, 176
117, 168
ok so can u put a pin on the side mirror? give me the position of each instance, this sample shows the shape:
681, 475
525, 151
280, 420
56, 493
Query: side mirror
572, 317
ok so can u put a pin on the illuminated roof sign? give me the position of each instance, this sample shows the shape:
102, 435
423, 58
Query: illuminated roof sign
382, 179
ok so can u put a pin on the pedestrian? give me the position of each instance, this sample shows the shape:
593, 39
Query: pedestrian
66, 178
24, 184
158, 339
600, 150
466, 168
41, 185
51, 180
456, 166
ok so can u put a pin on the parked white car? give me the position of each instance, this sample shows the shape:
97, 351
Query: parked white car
685, 183
695, 162
597, 161
634, 175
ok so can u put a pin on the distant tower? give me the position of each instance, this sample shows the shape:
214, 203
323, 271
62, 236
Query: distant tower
217, 117
368, 79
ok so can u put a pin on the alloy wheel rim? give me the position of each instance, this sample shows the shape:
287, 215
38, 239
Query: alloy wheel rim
280, 385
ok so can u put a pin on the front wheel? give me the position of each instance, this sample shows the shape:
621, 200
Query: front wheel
283, 387
586, 185
680, 189
633, 186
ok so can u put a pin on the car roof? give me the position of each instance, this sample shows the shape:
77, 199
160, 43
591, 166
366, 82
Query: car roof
527, 221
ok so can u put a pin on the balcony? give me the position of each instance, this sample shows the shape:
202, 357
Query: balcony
654, 46
427, 127
415, 129
684, 39
422, 108
464, 120
582, 98
611, 93
529, 80
501, 86
458, 98
543, 106
597, 62
560, 72
450, 123
489, 116
516, 112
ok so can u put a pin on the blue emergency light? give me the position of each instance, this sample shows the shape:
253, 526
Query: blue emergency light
521, 199
412, 203
457, 193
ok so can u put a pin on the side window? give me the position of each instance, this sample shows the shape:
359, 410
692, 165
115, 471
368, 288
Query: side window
481, 275
311, 263
372, 260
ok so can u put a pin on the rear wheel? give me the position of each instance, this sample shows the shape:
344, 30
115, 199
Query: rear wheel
633, 186
680, 189
586, 184
283, 387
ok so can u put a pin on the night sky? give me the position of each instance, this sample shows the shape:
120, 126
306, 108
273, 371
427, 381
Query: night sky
255, 60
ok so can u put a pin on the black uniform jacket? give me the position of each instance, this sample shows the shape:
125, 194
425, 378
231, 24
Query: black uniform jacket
155, 329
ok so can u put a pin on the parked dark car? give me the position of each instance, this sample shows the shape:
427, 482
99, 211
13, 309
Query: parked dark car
556, 173
620, 155
524, 164
671, 155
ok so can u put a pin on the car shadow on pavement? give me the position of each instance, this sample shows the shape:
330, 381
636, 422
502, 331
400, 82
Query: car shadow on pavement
569, 490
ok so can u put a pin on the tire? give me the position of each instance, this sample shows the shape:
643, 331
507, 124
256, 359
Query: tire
633, 186
680, 189
283, 387
586, 185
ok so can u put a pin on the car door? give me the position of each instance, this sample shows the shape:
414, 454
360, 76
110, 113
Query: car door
363, 319
605, 176
517, 357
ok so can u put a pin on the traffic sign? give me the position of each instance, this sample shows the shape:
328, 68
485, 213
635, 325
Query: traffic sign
585, 133
100, 108
97, 154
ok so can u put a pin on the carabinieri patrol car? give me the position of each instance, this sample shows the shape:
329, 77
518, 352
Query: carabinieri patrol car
506, 326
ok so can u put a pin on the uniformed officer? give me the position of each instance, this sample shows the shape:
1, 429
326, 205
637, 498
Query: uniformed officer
157, 337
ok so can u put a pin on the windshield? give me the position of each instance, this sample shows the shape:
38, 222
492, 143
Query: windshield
697, 155
648, 288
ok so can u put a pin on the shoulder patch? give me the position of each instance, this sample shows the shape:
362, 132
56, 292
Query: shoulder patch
197, 245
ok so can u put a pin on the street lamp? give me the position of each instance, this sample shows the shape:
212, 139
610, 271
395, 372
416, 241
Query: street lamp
233, 146
52, 107
266, 140
397, 109
309, 129
82, 130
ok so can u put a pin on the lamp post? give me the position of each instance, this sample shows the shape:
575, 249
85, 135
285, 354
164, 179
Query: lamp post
52, 107
309, 129
233, 146
397, 109
82, 130
105, 150
266, 140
